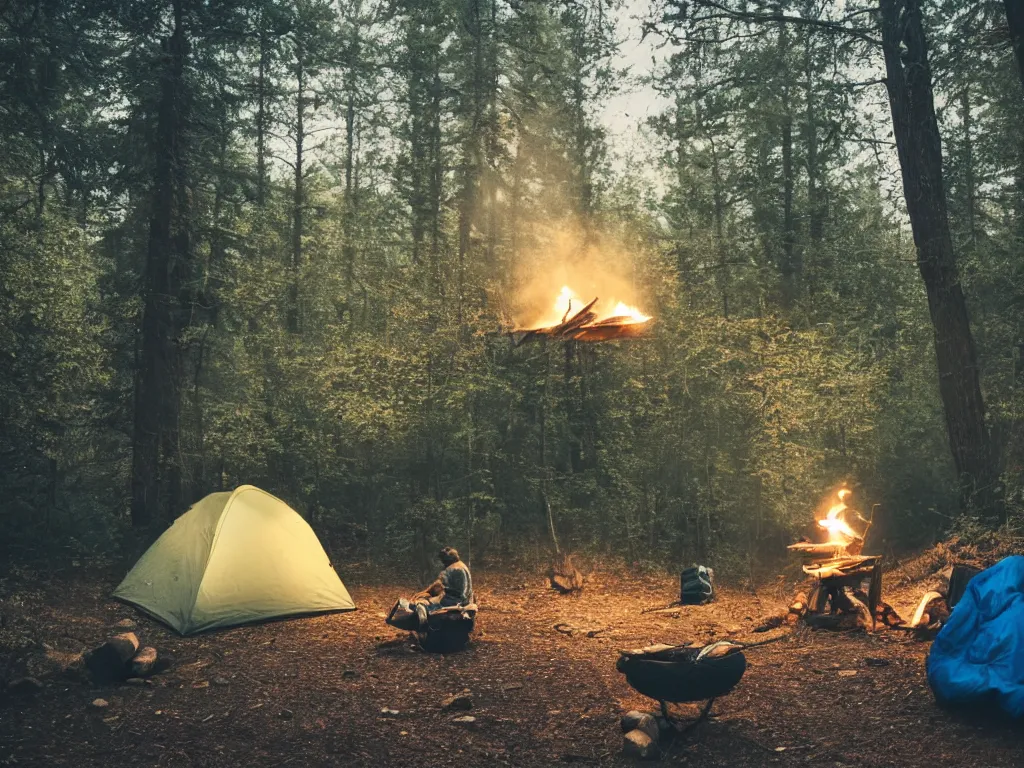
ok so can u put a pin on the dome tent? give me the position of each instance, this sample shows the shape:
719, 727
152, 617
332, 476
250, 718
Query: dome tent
234, 557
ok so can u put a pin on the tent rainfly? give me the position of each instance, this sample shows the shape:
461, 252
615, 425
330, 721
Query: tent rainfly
233, 558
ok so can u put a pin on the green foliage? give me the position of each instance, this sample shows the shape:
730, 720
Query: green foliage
443, 143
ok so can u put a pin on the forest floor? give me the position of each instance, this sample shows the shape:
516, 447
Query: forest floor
310, 691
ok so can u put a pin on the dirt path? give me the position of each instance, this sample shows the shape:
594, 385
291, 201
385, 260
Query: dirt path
310, 692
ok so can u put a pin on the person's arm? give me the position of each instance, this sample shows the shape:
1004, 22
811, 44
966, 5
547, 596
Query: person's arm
435, 589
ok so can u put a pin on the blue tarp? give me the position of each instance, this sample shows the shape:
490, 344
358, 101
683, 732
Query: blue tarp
978, 657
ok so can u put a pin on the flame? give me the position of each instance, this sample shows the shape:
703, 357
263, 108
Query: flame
839, 532
568, 303
634, 314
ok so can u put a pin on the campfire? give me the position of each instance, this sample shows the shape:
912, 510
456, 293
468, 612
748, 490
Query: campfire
573, 319
838, 598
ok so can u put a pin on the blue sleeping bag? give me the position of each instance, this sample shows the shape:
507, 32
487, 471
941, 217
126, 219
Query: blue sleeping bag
978, 657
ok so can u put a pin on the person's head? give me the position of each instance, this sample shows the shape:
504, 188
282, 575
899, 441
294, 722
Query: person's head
448, 555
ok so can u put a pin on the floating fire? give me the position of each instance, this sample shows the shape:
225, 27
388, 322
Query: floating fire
587, 323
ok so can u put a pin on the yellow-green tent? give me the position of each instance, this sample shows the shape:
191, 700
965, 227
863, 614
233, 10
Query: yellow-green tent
234, 557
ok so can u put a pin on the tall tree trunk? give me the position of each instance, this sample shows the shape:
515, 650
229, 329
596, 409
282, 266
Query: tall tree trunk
916, 131
492, 143
348, 249
718, 195
436, 179
261, 113
790, 259
968, 148
157, 380
790, 270
1015, 21
815, 209
298, 196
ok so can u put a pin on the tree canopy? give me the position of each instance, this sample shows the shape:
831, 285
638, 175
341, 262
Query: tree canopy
282, 242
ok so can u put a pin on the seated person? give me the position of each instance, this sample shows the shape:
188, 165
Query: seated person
453, 586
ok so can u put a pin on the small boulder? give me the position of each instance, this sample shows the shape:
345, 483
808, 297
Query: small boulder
636, 743
631, 720
24, 686
100, 703
110, 661
649, 725
143, 662
460, 702
464, 720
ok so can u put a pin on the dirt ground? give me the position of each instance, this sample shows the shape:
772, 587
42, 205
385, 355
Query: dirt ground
310, 692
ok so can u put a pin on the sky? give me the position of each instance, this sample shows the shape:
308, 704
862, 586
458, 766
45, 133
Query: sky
625, 112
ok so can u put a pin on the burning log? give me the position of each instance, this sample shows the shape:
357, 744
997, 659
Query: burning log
605, 332
581, 318
587, 325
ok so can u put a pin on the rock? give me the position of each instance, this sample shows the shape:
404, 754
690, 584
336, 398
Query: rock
125, 624
847, 672
24, 686
649, 725
100, 703
386, 712
135, 681
873, 661
143, 662
636, 743
221, 681
109, 662
459, 702
286, 714
350, 673
631, 720
464, 720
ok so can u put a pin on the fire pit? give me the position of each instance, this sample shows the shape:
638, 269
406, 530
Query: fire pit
847, 590
589, 324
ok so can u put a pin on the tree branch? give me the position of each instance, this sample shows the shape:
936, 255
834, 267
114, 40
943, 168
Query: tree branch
836, 27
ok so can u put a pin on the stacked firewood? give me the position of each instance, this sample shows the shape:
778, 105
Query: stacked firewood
837, 599
121, 658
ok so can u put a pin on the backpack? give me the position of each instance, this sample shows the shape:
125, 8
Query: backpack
696, 585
